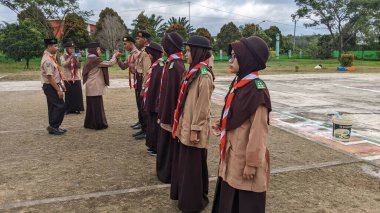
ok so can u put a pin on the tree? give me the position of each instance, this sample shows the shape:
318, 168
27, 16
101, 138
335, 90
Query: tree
228, 33
335, 15
182, 21
179, 28
324, 47
52, 9
111, 35
22, 41
205, 33
142, 22
34, 13
156, 23
271, 32
102, 16
75, 30
248, 30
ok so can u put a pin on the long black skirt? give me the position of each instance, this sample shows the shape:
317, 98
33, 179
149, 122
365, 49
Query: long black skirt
152, 131
73, 97
190, 179
95, 115
164, 156
229, 200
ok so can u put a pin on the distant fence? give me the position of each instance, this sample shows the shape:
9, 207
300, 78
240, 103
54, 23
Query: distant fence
361, 54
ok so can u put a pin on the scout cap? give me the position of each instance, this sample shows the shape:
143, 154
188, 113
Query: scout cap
198, 41
154, 46
49, 41
129, 38
143, 34
175, 39
69, 44
93, 45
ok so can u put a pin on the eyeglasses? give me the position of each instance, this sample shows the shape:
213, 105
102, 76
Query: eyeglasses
232, 57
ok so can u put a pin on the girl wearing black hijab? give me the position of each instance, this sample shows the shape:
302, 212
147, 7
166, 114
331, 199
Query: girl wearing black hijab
243, 129
192, 129
151, 92
168, 94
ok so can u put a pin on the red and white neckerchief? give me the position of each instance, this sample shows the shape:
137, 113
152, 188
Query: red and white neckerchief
72, 68
63, 77
223, 136
183, 88
172, 57
149, 75
130, 70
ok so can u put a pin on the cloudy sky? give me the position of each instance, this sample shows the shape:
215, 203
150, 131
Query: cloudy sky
203, 13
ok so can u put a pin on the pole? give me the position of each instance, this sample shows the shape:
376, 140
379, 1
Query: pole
189, 19
294, 35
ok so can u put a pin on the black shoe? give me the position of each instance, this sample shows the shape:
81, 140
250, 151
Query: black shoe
149, 150
153, 153
53, 131
77, 112
141, 136
138, 133
62, 130
135, 124
138, 126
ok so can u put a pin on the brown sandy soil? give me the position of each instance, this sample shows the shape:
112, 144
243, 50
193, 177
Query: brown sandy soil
35, 165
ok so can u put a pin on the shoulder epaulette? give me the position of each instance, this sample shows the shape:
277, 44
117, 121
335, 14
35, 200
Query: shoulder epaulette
260, 84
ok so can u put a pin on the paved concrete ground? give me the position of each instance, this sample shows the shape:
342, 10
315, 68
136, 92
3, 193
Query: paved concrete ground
304, 104
107, 171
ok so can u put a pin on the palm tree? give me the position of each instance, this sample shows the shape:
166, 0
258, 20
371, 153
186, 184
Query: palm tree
182, 21
156, 24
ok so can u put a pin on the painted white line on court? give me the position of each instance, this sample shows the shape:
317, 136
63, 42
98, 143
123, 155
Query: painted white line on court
23, 204
358, 88
371, 158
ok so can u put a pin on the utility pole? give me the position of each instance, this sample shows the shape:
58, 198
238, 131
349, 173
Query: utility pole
294, 35
189, 19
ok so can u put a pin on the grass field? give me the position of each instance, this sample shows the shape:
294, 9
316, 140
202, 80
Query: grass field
10, 70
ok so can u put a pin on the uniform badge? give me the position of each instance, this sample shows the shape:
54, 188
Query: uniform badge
161, 64
260, 84
204, 70
171, 66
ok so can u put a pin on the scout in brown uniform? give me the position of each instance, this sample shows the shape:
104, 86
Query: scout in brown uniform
131, 64
143, 65
192, 128
151, 91
96, 79
53, 87
169, 90
244, 164
71, 67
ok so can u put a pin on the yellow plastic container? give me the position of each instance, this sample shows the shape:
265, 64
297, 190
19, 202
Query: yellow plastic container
342, 126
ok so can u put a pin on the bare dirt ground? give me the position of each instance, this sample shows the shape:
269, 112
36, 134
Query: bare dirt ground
108, 171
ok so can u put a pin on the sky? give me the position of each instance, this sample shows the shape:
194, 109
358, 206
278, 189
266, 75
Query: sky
203, 13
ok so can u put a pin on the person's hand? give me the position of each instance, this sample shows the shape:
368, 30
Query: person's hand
117, 54
194, 137
216, 128
79, 58
249, 172
60, 94
142, 93
72, 57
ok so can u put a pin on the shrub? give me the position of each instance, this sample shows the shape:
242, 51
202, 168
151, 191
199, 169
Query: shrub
346, 60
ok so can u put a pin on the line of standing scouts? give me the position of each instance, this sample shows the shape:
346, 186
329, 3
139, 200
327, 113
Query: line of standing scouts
174, 113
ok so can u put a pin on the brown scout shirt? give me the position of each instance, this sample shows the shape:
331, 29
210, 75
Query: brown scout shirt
66, 65
48, 67
95, 84
247, 145
143, 64
132, 57
196, 112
